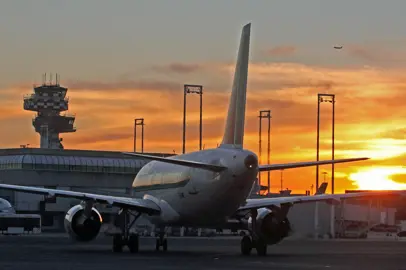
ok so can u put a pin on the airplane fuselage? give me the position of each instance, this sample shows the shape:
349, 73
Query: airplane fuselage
193, 197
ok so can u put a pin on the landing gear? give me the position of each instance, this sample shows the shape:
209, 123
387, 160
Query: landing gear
253, 241
125, 238
261, 247
247, 244
161, 241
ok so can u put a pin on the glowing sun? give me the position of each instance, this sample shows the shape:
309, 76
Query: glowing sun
378, 178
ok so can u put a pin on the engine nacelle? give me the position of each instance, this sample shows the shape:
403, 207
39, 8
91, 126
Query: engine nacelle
269, 228
80, 228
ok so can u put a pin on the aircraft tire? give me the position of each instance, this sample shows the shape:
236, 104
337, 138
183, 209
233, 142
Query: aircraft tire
261, 248
246, 245
157, 244
117, 243
133, 243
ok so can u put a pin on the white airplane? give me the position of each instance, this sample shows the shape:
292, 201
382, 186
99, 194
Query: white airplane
204, 189
6, 207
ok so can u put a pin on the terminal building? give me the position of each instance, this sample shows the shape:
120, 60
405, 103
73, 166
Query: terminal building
112, 173
104, 172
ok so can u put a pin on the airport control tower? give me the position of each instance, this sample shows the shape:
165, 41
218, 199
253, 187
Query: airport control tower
49, 100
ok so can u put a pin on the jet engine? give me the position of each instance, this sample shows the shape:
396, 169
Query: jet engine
81, 228
269, 228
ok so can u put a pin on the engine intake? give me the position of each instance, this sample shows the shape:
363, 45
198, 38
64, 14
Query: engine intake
79, 227
269, 228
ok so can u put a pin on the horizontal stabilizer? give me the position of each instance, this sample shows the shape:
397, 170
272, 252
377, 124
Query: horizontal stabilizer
188, 163
273, 167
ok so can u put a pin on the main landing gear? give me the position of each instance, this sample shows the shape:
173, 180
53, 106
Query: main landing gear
248, 243
253, 241
161, 241
125, 238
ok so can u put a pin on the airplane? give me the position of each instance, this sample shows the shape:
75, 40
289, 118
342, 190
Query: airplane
6, 207
203, 189
322, 189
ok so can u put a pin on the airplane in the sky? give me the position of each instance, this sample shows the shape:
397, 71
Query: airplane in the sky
203, 189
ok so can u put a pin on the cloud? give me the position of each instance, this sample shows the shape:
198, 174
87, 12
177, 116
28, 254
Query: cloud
376, 54
283, 50
150, 85
398, 134
181, 68
363, 53
369, 114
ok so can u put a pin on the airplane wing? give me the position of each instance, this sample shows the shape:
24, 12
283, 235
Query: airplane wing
188, 163
272, 167
276, 201
140, 205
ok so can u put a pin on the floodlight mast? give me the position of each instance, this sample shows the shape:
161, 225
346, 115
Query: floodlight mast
267, 115
329, 98
192, 89
139, 122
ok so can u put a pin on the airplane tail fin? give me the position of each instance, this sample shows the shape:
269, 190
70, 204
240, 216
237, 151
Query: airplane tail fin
234, 127
321, 189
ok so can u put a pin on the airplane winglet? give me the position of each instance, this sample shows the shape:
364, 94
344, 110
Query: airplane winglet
173, 160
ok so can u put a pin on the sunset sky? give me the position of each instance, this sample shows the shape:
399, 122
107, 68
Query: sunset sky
128, 59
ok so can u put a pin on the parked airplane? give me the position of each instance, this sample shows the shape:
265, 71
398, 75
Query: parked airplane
6, 207
207, 188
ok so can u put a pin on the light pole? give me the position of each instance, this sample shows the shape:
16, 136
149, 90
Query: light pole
139, 122
329, 98
267, 115
324, 176
196, 89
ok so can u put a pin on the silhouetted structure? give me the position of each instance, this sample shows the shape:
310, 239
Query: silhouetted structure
49, 100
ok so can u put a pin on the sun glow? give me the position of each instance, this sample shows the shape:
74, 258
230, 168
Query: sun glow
378, 178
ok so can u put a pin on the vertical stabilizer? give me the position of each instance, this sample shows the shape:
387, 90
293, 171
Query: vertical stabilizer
321, 189
234, 128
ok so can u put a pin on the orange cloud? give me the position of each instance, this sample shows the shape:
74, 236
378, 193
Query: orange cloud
284, 50
369, 115
182, 68
376, 53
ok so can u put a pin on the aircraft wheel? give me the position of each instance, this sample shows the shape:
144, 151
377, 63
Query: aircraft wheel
261, 248
117, 243
157, 244
246, 245
133, 243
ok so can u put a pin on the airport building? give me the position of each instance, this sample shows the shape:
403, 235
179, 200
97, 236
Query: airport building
104, 172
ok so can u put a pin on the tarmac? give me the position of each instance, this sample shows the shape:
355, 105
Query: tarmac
58, 252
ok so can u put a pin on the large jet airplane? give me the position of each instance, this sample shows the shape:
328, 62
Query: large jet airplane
204, 189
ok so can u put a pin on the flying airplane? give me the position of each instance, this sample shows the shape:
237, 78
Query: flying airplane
203, 189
